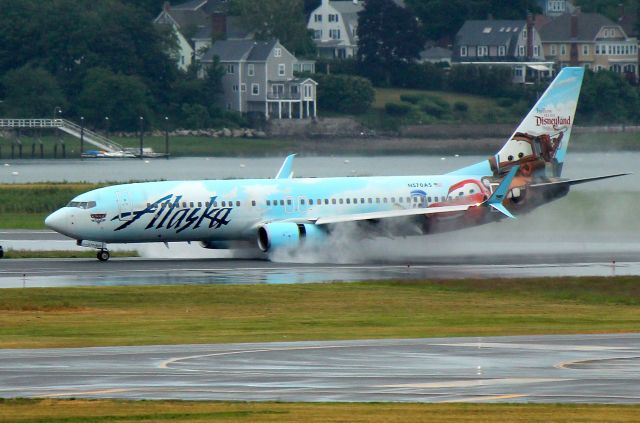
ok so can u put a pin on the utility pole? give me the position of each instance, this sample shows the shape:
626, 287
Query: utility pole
166, 136
81, 135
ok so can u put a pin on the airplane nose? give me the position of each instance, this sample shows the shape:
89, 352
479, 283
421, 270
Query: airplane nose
56, 221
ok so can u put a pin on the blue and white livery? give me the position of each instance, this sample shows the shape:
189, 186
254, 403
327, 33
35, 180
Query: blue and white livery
289, 213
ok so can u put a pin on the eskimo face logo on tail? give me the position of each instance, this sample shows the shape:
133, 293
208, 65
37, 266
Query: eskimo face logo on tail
167, 214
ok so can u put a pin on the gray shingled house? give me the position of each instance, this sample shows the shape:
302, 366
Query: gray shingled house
514, 43
259, 78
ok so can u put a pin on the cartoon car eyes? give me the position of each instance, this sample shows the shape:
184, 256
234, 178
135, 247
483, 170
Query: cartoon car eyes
519, 149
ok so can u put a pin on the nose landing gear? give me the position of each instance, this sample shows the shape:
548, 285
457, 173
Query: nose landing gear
103, 255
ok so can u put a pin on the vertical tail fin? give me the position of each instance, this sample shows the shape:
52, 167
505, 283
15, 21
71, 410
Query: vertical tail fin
539, 144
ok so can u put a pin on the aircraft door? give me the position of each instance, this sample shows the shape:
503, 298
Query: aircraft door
290, 205
125, 209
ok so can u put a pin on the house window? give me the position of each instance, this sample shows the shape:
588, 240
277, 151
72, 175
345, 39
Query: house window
251, 69
502, 50
553, 50
536, 51
281, 69
255, 89
243, 88
563, 49
482, 51
463, 51
231, 68
333, 18
521, 51
585, 50
597, 49
308, 90
317, 17
277, 52
334, 34
317, 34
235, 88
524, 34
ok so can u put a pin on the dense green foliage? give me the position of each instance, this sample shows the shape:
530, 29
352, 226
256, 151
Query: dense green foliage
281, 19
345, 94
96, 58
610, 8
388, 34
608, 98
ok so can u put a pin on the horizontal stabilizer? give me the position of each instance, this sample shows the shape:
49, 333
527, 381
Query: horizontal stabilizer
500, 193
570, 182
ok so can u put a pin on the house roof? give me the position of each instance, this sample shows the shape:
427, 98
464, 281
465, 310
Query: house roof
489, 32
207, 6
237, 50
235, 30
436, 53
589, 24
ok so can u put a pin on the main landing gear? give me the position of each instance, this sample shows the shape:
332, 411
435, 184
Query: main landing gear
103, 255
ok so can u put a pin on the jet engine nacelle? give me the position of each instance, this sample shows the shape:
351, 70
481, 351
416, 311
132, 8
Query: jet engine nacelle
288, 235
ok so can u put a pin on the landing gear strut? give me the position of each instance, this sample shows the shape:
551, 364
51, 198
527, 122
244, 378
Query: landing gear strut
103, 255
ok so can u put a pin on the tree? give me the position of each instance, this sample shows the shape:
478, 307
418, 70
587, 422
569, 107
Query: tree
281, 19
609, 8
123, 98
388, 34
607, 97
345, 94
31, 92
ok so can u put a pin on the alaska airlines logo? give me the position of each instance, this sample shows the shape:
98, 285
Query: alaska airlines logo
167, 214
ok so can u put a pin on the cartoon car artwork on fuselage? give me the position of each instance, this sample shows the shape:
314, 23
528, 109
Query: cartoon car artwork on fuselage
467, 191
536, 155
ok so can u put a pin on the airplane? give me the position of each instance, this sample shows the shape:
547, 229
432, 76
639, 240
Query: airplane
293, 213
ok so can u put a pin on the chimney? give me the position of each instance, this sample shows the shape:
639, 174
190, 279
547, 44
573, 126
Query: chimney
574, 39
166, 6
530, 27
218, 26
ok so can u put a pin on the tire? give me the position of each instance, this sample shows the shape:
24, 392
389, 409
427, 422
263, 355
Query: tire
103, 255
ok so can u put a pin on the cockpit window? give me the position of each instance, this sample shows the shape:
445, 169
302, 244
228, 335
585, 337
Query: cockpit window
82, 204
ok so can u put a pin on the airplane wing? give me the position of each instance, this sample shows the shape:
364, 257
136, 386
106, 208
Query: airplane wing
494, 201
286, 170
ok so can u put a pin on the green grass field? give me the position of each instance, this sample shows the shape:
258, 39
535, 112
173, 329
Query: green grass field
101, 316
80, 411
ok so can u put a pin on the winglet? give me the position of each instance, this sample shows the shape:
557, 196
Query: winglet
500, 193
286, 170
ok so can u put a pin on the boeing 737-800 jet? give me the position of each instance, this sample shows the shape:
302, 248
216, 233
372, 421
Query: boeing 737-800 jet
291, 213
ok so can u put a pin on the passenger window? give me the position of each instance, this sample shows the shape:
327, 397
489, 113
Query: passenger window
326, 201
348, 201
253, 203
385, 200
370, 200
207, 204
268, 202
393, 199
341, 201
223, 204
237, 203
215, 204
377, 200
191, 204
333, 201
362, 201
282, 202
288, 202
302, 201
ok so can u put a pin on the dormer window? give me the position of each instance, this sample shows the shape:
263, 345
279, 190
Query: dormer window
487, 30
502, 51
317, 17
277, 52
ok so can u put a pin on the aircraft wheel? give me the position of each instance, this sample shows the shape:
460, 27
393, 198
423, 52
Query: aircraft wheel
103, 255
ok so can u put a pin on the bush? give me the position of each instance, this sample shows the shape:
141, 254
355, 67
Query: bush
395, 109
435, 106
344, 94
505, 102
411, 98
460, 106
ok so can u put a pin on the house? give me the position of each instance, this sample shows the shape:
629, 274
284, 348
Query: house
554, 8
513, 43
334, 25
590, 40
196, 23
260, 78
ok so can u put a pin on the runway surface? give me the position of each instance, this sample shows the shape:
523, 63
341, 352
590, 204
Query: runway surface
462, 258
573, 369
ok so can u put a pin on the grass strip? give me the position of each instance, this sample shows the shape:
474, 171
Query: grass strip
30, 254
71, 411
146, 315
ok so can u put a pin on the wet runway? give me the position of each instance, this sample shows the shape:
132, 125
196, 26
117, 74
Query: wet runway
573, 369
190, 264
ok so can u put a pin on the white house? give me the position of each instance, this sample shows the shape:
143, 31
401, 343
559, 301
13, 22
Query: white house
334, 25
